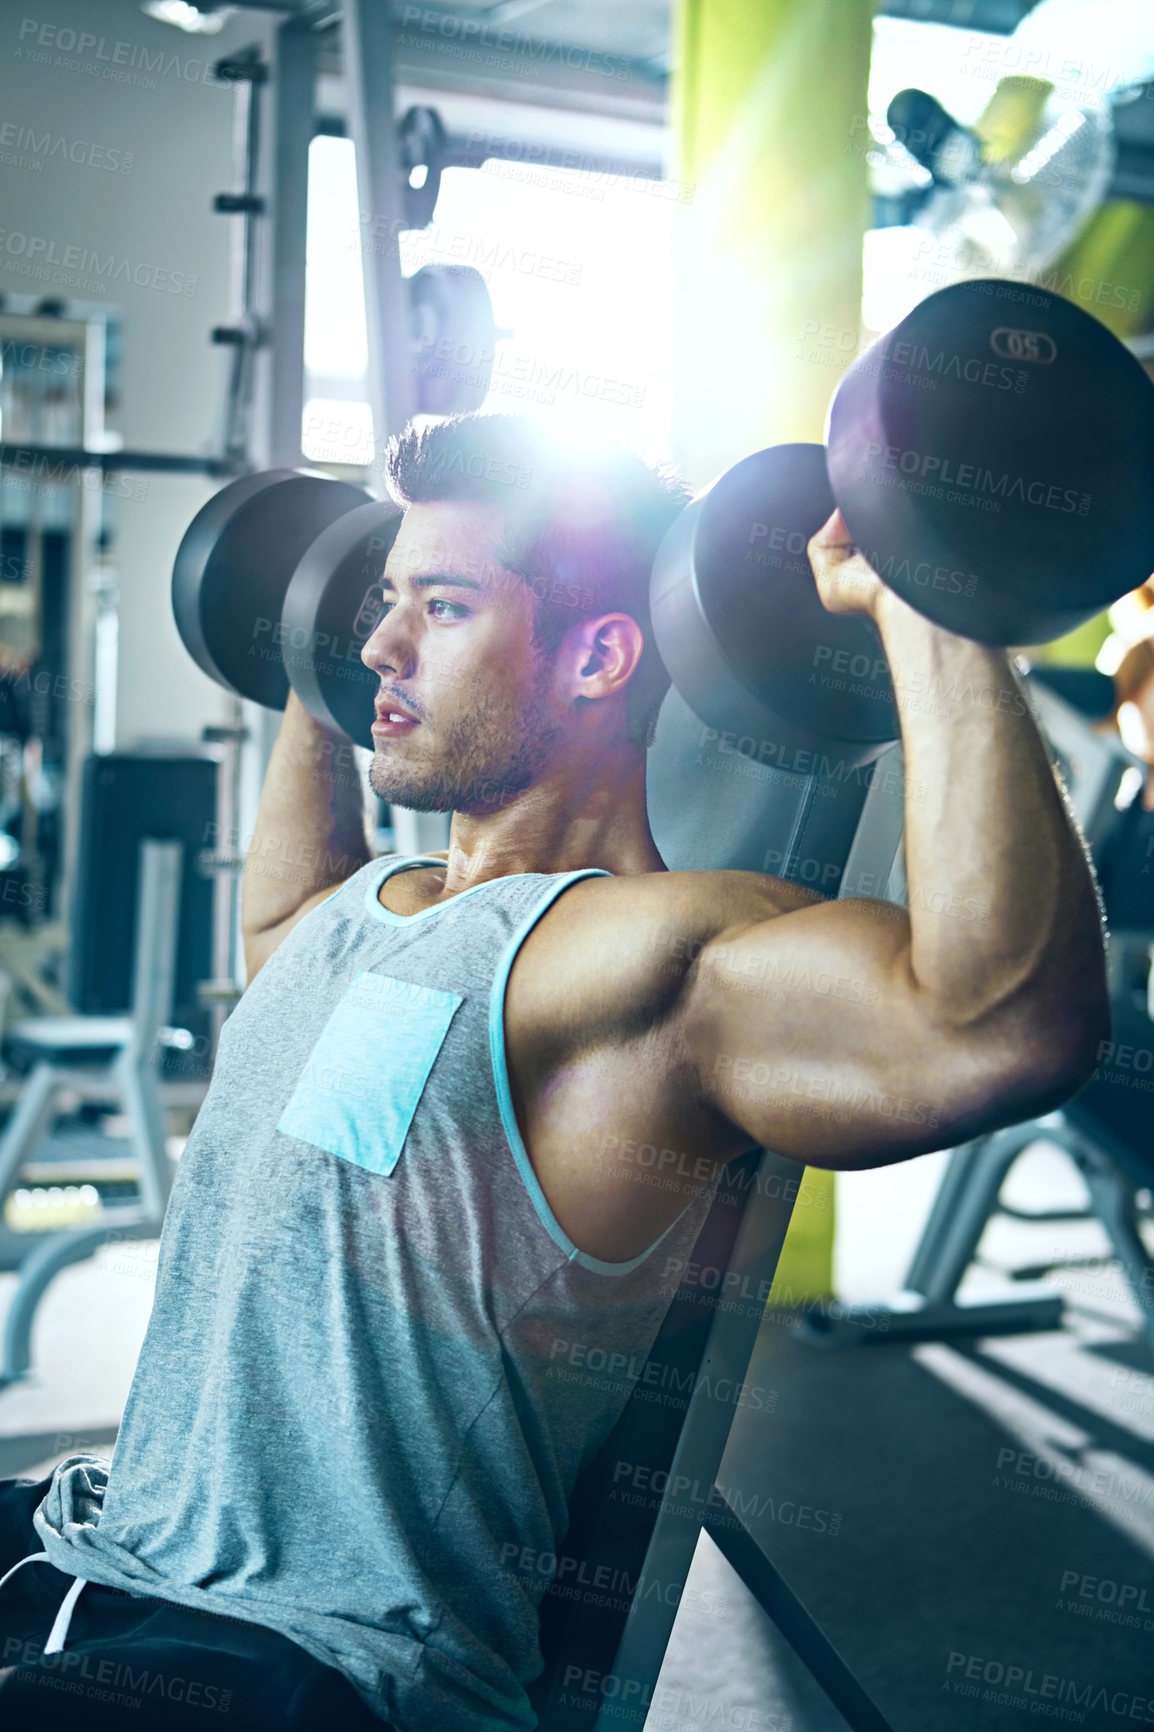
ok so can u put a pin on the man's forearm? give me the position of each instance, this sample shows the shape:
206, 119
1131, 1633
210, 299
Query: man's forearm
1001, 898
310, 826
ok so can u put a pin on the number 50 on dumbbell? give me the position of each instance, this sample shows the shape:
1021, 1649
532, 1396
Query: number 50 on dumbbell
993, 457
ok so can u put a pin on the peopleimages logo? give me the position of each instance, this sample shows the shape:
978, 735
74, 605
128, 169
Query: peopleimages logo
40, 357
1021, 1687
84, 1675
102, 269
929, 365
42, 145
474, 38
121, 62
972, 478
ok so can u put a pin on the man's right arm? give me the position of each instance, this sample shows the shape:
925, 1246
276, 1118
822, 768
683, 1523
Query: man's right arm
309, 835
982, 1004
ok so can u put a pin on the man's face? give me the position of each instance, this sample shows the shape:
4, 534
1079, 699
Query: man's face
453, 649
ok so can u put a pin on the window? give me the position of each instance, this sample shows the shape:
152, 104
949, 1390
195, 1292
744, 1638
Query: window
578, 269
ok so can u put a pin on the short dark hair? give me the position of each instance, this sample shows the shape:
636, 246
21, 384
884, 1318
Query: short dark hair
581, 526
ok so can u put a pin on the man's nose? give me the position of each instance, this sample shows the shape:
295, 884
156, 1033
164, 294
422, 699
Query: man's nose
389, 644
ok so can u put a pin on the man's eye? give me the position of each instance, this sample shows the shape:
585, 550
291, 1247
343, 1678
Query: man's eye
456, 611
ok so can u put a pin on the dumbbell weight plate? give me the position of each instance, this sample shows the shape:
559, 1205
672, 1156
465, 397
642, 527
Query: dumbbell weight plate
332, 605
421, 139
993, 458
743, 634
233, 568
453, 338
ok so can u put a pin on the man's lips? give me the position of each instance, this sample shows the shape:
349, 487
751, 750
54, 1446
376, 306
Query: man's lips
386, 730
387, 711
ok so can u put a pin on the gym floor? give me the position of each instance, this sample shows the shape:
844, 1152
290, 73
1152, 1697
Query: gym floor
995, 1498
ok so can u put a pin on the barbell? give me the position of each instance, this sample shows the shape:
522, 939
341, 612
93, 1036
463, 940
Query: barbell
996, 473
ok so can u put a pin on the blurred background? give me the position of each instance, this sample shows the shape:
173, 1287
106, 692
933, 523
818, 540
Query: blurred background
243, 236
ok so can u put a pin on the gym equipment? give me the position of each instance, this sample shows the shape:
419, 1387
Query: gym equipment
126, 797
96, 1058
992, 458
1009, 194
422, 142
738, 623
453, 335
1105, 1132
245, 335
603, 1649
1008, 503
995, 477
1104, 1129
332, 605
277, 580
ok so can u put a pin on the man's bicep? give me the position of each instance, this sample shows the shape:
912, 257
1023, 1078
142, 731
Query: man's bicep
808, 1034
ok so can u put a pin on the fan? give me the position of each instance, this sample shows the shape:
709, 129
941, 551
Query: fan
1007, 196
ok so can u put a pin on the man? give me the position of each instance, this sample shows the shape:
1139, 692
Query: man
347, 1423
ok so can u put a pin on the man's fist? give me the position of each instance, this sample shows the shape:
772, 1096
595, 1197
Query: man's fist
846, 582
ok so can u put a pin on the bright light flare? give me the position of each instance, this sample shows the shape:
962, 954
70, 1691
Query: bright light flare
578, 270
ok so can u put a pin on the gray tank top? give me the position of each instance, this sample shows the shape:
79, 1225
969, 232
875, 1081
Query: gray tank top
375, 1363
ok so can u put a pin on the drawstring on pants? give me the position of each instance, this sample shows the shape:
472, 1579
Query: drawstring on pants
59, 1630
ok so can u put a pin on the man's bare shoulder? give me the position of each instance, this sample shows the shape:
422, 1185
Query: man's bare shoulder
706, 902
608, 959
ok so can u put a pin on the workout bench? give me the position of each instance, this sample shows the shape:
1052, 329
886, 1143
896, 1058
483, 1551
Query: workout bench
99, 1058
640, 1505
606, 1619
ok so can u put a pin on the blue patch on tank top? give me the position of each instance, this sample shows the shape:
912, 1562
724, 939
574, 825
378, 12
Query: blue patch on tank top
359, 1090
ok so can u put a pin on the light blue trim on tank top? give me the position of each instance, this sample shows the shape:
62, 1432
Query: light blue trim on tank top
377, 908
497, 1042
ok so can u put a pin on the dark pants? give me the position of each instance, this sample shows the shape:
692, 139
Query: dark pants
135, 1661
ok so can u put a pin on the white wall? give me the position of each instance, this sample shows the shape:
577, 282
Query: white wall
178, 125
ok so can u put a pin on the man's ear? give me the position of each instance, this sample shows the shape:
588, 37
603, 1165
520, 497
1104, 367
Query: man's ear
609, 649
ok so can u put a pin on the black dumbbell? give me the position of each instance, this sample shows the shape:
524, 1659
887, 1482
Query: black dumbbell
740, 628
277, 583
993, 458
275, 579
453, 338
997, 476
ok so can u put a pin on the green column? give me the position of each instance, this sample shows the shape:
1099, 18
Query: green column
769, 105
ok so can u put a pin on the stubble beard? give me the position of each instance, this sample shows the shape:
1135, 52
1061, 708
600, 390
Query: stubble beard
490, 754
